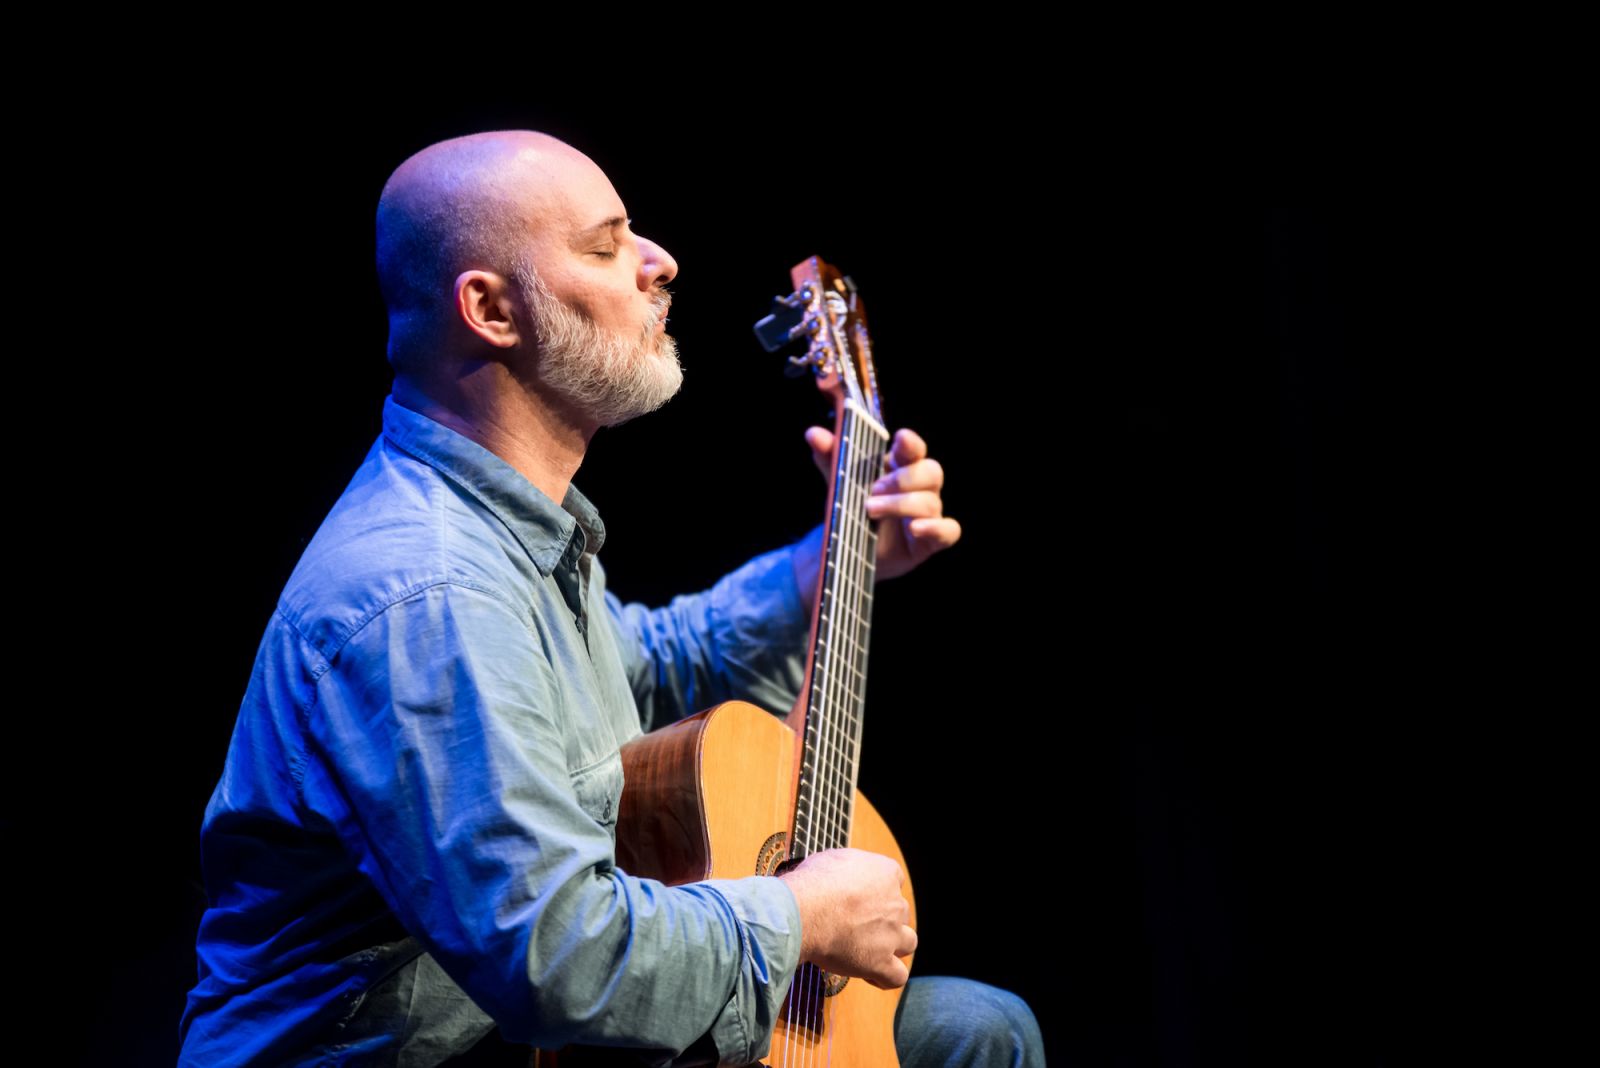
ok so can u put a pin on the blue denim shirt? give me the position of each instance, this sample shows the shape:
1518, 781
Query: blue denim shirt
413, 837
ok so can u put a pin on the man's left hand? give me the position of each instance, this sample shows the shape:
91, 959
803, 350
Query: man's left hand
906, 499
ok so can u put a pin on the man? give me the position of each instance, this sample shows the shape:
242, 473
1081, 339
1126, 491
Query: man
412, 840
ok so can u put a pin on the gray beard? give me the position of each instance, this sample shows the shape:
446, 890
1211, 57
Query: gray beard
608, 378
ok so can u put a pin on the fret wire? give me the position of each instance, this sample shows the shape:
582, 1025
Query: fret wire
854, 641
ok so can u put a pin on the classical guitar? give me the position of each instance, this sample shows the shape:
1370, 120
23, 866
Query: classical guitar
735, 791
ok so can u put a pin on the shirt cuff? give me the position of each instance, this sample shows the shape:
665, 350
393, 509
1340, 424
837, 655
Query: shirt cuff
768, 919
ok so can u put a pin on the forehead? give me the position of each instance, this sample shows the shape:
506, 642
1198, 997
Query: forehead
565, 194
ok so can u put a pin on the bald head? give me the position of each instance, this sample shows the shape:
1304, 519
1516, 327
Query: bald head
470, 203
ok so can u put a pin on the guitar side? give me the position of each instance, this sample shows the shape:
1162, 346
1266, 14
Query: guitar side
711, 797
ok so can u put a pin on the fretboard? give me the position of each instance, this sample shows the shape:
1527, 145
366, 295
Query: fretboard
831, 759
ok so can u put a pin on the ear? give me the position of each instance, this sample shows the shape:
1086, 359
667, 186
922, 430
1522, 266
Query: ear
487, 307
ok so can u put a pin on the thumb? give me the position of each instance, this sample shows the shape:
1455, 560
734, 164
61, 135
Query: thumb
821, 442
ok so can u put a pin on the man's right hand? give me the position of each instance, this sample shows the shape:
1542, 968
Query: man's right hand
853, 915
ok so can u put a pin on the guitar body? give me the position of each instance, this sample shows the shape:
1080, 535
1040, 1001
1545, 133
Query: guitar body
711, 797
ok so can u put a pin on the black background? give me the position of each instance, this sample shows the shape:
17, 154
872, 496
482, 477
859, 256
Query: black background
1173, 739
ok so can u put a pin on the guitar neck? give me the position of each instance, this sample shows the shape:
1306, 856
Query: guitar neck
836, 700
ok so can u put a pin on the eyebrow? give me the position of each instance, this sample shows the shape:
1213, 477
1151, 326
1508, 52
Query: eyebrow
601, 227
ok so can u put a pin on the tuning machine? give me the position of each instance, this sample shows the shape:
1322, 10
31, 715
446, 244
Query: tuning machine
792, 319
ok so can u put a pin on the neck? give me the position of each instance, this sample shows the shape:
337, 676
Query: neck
543, 440
830, 725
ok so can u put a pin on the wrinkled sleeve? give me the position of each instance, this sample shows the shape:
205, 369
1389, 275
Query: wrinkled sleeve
443, 767
742, 639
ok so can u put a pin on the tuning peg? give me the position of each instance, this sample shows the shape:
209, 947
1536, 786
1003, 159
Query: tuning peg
783, 325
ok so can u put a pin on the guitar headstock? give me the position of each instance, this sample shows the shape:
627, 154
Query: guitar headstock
825, 311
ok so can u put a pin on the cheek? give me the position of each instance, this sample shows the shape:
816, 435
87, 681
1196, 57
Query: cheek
596, 304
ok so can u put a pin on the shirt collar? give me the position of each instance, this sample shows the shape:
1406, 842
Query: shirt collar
543, 529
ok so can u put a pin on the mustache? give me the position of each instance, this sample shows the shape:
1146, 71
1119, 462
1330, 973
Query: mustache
659, 304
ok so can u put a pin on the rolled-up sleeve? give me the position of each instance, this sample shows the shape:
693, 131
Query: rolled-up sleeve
742, 639
439, 756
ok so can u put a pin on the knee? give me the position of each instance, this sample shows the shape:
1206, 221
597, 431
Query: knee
949, 1021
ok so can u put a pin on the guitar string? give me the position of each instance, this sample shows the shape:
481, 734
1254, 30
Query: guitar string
821, 739
840, 697
808, 828
852, 606
861, 576
854, 509
805, 823
854, 588
874, 468
801, 991
869, 467
869, 464
803, 995
850, 670
853, 675
863, 538
840, 725
805, 804
844, 522
820, 755
818, 729
836, 682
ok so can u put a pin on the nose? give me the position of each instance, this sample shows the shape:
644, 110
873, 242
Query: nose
656, 265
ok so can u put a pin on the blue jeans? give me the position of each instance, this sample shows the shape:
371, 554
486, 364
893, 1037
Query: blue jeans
944, 1022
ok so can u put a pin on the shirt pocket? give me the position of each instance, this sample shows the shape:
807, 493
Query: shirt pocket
599, 790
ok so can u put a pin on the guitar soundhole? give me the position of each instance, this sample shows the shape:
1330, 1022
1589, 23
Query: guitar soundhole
811, 985
805, 1006
774, 851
